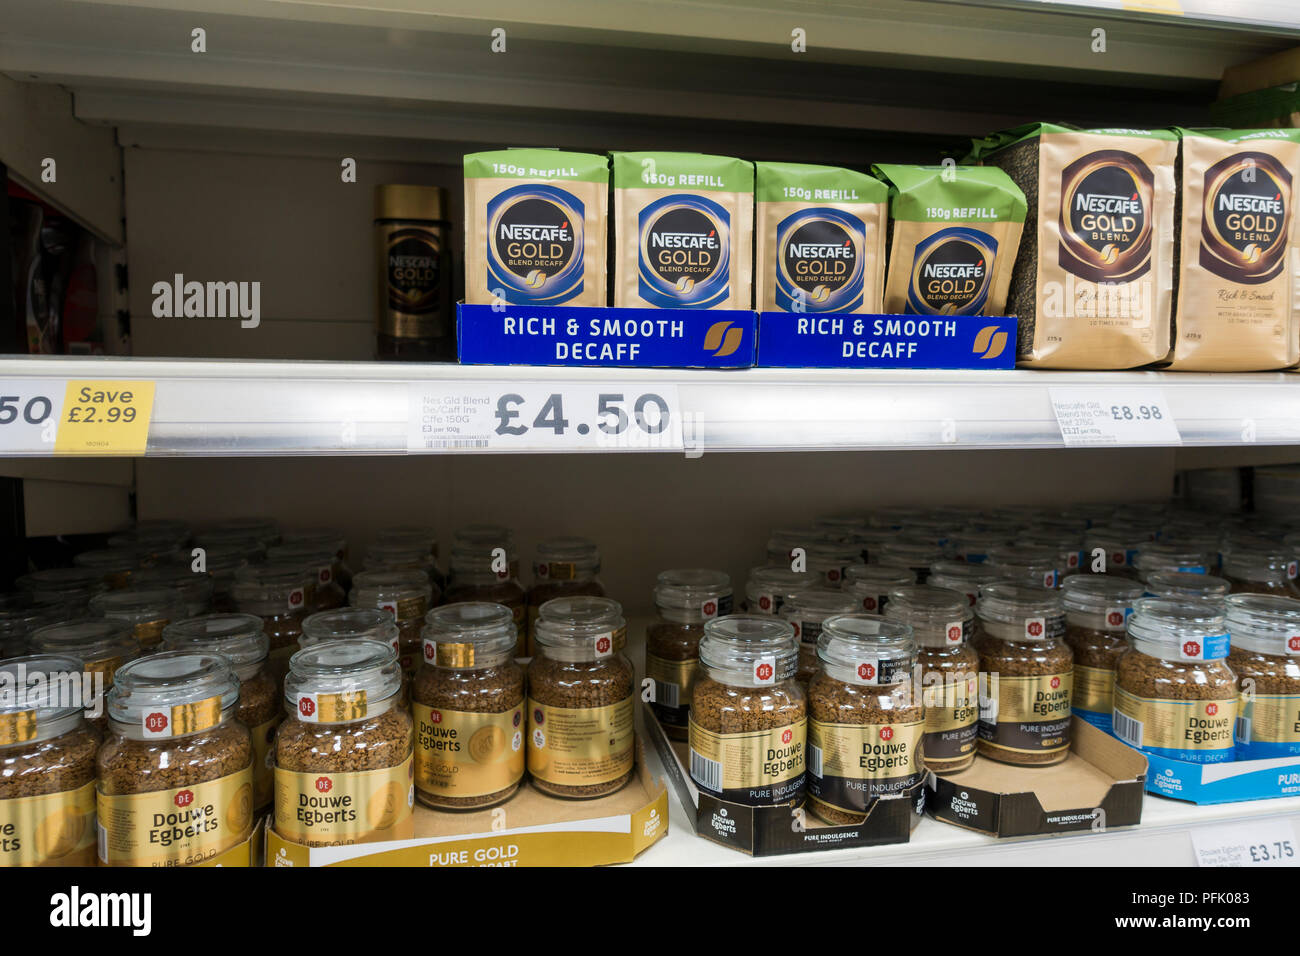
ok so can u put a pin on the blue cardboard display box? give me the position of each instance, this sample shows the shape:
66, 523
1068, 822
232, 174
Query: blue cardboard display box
832, 340
1226, 782
508, 334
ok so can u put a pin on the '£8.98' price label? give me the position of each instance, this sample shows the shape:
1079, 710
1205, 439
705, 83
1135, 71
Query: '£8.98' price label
516, 417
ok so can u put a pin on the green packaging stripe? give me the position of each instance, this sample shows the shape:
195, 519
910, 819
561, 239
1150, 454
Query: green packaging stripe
1285, 134
691, 172
537, 164
1260, 108
921, 193
823, 184
984, 146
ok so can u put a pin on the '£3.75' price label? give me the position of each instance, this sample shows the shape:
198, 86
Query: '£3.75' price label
540, 417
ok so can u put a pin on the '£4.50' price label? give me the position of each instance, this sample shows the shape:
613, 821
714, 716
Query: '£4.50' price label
29, 415
539, 417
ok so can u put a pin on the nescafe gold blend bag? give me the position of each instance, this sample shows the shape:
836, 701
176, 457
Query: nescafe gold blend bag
535, 227
954, 232
683, 231
1236, 269
820, 239
1092, 286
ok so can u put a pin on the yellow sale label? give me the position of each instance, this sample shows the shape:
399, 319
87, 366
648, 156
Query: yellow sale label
105, 418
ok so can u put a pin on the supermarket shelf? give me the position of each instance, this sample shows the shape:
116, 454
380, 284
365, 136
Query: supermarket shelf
1164, 838
596, 73
228, 407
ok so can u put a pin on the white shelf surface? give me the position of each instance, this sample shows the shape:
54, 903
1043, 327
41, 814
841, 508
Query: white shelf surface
230, 407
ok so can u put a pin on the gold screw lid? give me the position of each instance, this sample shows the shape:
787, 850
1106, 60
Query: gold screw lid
394, 201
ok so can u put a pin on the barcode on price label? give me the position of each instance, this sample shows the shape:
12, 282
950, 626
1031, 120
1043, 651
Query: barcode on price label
539, 417
1096, 415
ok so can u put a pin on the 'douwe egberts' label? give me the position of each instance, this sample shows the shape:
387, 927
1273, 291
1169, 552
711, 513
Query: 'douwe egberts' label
1026, 714
759, 768
178, 827
673, 682
461, 754
951, 718
1268, 726
53, 829
352, 806
1198, 731
580, 746
849, 765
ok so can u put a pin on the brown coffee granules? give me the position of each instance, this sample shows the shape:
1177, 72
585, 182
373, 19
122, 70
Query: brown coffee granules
128, 765
1096, 609
375, 743
1265, 656
469, 716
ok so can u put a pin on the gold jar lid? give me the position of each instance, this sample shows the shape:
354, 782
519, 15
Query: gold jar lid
394, 201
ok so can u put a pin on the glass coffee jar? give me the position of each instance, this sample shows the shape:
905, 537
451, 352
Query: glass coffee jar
468, 704
344, 764
71, 586
408, 547
1155, 557
223, 563
749, 716
805, 610
865, 721
870, 585
1180, 585
914, 553
1026, 675
147, 610
768, 587
1265, 656
580, 701
240, 640
47, 767
407, 595
176, 770
948, 669
115, 566
194, 588
477, 574
327, 540
1175, 695
685, 599
563, 567
101, 644
1097, 607
1261, 568
1028, 565
344, 623
965, 578
279, 594
321, 562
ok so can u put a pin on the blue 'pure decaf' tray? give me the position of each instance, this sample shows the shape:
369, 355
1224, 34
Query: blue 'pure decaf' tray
866, 340
507, 334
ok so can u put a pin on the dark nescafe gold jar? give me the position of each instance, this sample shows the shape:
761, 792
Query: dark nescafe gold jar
413, 246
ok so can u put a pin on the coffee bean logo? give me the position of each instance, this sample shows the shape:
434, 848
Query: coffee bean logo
1211, 709
886, 733
869, 603
763, 671
1056, 682
1293, 643
866, 671
1035, 629
324, 784
1115, 618
155, 723
954, 633
1191, 649
710, 608
184, 798
602, 645
765, 603
435, 716
306, 706
786, 736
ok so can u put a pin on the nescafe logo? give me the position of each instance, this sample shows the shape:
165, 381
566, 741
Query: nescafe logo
414, 271
1246, 219
952, 277
820, 258
684, 247
1105, 223
534, 238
